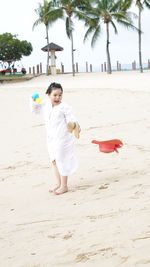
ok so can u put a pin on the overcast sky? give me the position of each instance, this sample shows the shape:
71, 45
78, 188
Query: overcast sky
18, 16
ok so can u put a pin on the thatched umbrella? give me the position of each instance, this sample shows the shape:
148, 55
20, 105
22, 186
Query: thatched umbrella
52, 48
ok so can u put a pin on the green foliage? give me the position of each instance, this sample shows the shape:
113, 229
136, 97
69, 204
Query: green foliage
107, 12
46, 13
12, 49
68, 10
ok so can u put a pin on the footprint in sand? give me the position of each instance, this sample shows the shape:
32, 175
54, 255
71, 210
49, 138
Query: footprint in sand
83, 257
142, 262
66, 237
105, 186
83, 187
146, 236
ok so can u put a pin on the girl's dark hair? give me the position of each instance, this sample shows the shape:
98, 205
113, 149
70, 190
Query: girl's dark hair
53, 86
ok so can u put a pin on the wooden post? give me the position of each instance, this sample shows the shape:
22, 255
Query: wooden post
77, 70
102, 69
74, 68
49, 70
90, 67
105, 66
134, 65
41, 68
86, 66
29, 70
62, 68
37, 69
117, 65
34, 71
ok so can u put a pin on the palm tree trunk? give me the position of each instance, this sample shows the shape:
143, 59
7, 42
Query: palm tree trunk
107, 50
72, 49
72, 53
47, 37
140, 50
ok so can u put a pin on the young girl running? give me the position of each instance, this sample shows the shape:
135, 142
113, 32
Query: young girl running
60, 125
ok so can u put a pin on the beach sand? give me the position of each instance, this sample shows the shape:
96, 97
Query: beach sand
104, 219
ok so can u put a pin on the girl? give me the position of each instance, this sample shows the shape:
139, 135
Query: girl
60, 123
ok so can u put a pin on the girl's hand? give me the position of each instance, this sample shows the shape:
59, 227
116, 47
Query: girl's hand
74, 127
71, 126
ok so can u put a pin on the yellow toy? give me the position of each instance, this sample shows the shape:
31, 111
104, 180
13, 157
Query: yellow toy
74, 127
38, 100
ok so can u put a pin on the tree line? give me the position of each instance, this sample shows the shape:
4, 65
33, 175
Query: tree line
12, 50
95, 14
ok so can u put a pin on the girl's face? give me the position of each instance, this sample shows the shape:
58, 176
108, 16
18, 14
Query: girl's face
56, 97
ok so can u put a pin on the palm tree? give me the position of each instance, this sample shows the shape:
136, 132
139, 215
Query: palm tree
107, 12
69, 9
46, 17
140, 4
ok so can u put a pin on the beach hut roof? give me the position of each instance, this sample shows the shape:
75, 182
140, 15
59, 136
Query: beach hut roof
53, 47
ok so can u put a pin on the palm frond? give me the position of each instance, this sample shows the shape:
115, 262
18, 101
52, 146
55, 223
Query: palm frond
96, 36
55, 14
147, 3
69, 27
139, 4
114, 26
36, 23
88, 32
128, 25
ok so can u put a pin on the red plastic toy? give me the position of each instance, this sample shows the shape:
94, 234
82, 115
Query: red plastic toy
108, 146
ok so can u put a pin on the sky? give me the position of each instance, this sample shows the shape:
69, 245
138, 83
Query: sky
17, 17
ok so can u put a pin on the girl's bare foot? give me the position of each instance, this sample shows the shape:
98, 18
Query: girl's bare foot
61, 190
52, 190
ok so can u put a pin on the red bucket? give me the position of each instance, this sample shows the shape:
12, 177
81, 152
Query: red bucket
108, 146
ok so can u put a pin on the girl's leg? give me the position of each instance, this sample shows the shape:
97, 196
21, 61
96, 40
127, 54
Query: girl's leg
63, 187
57, 177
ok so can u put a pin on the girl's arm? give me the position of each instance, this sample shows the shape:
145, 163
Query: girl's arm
69, 115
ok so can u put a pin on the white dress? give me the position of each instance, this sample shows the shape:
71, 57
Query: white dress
60, 141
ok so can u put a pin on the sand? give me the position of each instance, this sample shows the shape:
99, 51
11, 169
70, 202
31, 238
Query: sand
104, 219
